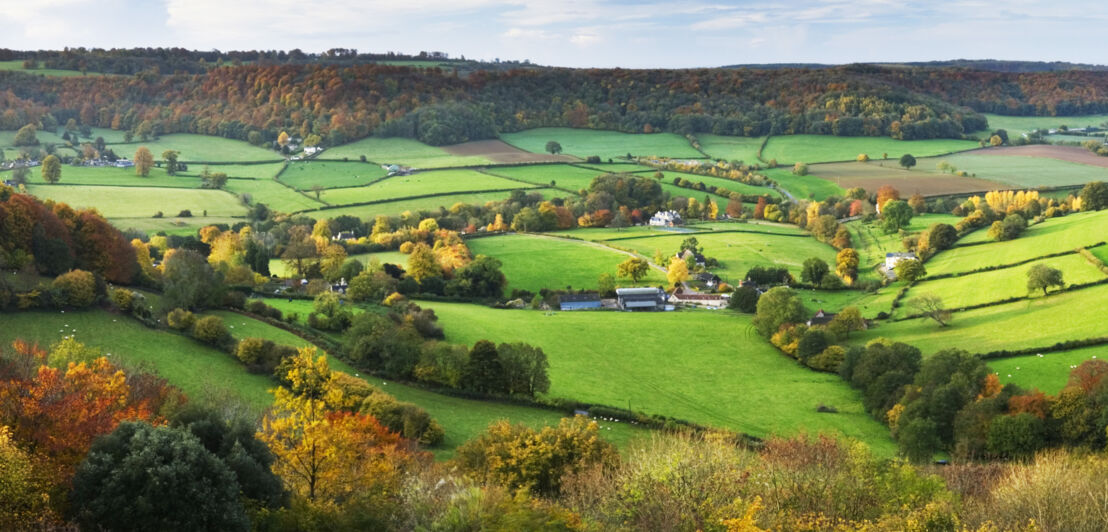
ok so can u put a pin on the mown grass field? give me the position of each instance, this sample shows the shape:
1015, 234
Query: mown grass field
733, 186
420, 204
1049, 373
422, 183
1035, 322
1001, 284
255, 171
329, 174
200, 148
122, 177
743, 149
401, 151
709, 367
570, 177
789, 149
1016, 125
616, 168
1020, 171
803, 187
534, 262
275, 195
605, 144
1052, 236
137, 202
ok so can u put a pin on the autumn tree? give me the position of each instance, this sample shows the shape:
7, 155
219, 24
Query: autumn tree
283, 139
144, 161
299, 250
886, 193
931, 306
909, 270
846, 265
51, 169
846, 321
23, 493
634, 268
170, 158
422, 264
1042, 276
678, 271
26, 136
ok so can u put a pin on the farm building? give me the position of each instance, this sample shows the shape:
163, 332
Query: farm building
821, 318
697, 257
579, 301
344, 235
681, 297
666, 219
641, 298
710, 280
891, 259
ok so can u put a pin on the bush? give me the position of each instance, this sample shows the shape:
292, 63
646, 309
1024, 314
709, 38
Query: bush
406, 419
122, 299
180, 319
75, 289
211, 330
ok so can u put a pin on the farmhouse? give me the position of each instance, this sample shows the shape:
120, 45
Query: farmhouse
311, 151
697, 257
710, 280
344, 235
821, 318
891, 259
666, 219
641, 298
579, 301
688, 298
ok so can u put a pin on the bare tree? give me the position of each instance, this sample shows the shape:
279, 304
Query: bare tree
931, 306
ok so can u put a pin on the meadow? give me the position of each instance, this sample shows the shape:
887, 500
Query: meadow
803, 187
605, 144
1020, 171
1051, 236
205, 148
733, 186
330, 174
137, 202
172, 225
406, 152
253, 171
1049, 373
123, 177
704, 366
617, 168
16, 65
872, 243
789, 149
1016, 125
605, 234
743, 149
415, 204
532, 262
996, 285
565, 176
1041, 321
277, 266
275, 195
924, 178
419, 184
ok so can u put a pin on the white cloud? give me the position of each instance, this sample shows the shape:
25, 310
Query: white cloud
584, 38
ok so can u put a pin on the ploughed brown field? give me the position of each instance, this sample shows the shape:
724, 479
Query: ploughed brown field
1073, 154
498, 151
875, 174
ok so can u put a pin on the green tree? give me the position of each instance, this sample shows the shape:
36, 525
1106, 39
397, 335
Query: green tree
776, 307
800, 169
1094, 196
75, 289
896, 214
845, 322
814, 270
606, 285
633, 268
910, 270
26, 136
744, 299
51, 169
155, 478
1009, 229
190, 282
1016, 436
525, 369
483, 371
939, 237
907, 161
918, 440
553, 147
170, 157
480, 278
1041, 277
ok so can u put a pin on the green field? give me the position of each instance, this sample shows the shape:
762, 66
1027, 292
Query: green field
789, 149
872, 243
605, 144
418, 184
600, 234
367, 212
255, 171
123, 177
172, 225
277, 266
995, 285
1052, 236
1015, 125
617, 168
803, 187
200, 148
566, 176
534, 262
327, 174
708, 366
16, 65
1034, 322
406, 152
1049, 373
733, 186
1020, 171
275, 195
743, 149
137, 202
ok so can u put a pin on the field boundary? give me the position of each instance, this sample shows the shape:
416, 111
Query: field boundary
421, 196
1067, 289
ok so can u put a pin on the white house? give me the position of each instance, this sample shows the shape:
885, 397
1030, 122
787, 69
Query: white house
312, 150
891, 259
666, 219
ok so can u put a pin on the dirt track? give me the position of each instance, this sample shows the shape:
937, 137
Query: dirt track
500, 152
1071, 154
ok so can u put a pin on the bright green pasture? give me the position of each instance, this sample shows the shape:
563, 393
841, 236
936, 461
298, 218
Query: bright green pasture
833, 301
1022, 171
601, 234
1049, 373
200, 371
124, 177
1052, 236
172, 225
743, 149
1015, 125
277, 266
256, 171
1101, 252
275, 195
401, 151
125, 202
872, 243
44, 136
1027, 323
705, 366
995, 285
565, 176
367, 212
418, 184
16, 65
605, 144
733, 186
329, 174
617, 168
788, 149
200, 148
534, 262
803, 187
738, 252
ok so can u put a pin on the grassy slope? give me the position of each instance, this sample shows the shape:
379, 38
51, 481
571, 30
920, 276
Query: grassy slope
789, 149
733, 186
414, 205
563, 175
1052, 236
803, 187
257, 171
172, 225
1049, 372
1019, 124
200, 148
1021, 171
605, 144
123, 177
743, 149
16, 65
329, 174
401, 151
138, 202
535, 262
708, 367
435, 182
275, 195
872, 243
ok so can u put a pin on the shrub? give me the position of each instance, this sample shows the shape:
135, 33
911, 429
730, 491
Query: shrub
180, 319
394, 298
75, 289
185, 214
122, 299
406, 419
211, 330
250, 351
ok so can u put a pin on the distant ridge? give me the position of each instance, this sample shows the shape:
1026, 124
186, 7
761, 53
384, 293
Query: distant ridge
992, 65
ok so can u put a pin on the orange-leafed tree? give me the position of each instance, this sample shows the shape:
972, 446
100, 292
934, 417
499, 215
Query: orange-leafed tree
144, 161
886, 193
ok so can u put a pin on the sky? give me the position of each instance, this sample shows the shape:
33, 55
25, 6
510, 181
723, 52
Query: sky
583, 33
